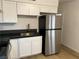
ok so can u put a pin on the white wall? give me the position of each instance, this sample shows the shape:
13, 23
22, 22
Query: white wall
22, 23
71, 25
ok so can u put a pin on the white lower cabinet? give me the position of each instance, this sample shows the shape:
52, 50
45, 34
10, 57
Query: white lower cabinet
36, 45
30, 46
13, 49
24, 47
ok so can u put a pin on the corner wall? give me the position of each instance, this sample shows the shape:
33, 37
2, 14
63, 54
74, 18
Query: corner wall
71, 25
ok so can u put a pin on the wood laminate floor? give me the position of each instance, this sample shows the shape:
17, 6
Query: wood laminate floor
62, 55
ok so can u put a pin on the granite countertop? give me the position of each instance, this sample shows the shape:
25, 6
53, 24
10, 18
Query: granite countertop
11, 34
12, 37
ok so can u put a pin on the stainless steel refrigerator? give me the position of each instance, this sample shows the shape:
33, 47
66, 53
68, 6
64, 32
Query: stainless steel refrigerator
52, 38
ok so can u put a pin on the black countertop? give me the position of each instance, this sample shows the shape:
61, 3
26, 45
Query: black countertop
11, 34
17, 31
19, 36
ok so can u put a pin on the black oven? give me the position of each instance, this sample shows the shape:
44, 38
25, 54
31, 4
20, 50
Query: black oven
4, 42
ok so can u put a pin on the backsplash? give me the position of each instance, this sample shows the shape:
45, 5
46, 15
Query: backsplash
22, 23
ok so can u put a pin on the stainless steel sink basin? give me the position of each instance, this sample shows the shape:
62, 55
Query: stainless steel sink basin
26, 34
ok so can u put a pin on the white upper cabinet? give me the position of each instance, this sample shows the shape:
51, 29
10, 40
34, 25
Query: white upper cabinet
23, 9
27, 9
47, 2
0, 17
9, 12
0, 5
34, 10
41, 2
0, 10
46, 6
48, 9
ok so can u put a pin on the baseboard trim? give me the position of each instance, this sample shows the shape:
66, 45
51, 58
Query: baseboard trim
70, 51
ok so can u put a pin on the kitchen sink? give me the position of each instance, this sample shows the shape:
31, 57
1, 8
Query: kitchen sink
27, 34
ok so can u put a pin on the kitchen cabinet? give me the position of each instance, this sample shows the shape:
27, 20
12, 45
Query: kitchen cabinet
23, 9
48, 9
9, 12
0, 4
27, 9
46, 6
13, 49
40, 2
30, 46
36, 45
0, 10
0, 17
24, 47
47, 2
34, 10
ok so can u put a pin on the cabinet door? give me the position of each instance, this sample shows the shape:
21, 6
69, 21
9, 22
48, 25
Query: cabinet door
24, 47
0, 17
48, 9
36, 45
0, 4
23, 9
47, 2
13, 49
9, 12
34, 10
0, 11
27, 9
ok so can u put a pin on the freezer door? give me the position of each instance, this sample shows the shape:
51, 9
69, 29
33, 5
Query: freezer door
56, 21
